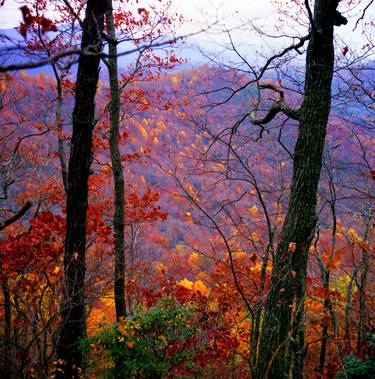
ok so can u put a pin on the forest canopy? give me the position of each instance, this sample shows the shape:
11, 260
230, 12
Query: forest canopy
187, 194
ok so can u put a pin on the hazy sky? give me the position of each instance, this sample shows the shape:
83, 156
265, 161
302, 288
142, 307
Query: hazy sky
191, 9
231, 13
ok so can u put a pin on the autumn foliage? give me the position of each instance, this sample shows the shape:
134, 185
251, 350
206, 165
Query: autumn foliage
205, 200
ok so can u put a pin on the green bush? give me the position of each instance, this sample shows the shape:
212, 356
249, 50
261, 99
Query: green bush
357, 369
149, 344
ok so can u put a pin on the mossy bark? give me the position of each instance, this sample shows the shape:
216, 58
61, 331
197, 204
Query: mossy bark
282, 349
73, 322
118, 176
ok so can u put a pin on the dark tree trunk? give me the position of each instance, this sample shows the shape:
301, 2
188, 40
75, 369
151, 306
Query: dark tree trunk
118, 176
323, 350
6, 346
325, 277
348, 309
281, 348
59, 126
363, 327
73, 326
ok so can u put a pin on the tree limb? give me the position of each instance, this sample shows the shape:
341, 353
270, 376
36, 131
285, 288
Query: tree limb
89, 51
277, 107
363, 14
16, 217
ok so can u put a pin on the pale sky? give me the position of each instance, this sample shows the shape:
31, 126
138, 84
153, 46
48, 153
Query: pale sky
231, 14
191, 9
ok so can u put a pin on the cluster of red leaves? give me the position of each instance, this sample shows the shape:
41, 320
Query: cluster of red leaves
30, 21
224, 327
36, 248
143, 207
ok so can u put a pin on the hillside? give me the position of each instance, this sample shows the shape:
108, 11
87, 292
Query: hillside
198, 186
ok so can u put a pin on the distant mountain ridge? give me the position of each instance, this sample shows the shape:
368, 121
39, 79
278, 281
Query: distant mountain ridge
10, 38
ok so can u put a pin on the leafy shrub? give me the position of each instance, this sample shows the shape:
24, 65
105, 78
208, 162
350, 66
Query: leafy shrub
357, 369
148, 344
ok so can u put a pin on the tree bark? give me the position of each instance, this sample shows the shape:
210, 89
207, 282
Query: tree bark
363, 327
118, 176
59, 126
6, 369
73, 323
348, 309
281, 348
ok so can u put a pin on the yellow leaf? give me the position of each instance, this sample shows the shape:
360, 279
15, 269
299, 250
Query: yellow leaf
213, 306
239, 254
179, 248
186, 283
143, 180
292, 247
160, 267
253, 210
200, 286
193, 260
188, 217
143, 132
354, 235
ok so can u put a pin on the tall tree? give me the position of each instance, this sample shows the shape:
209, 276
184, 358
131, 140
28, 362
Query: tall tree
73, 307
281, 348
118, 176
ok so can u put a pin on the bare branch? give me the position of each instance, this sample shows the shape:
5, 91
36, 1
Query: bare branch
89, 51
74, 13
16, 217
363, 14
277, 107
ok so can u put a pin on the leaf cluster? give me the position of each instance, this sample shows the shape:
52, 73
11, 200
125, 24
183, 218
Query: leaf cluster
356, 368
148, 344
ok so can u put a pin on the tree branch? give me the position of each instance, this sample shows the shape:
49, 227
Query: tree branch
16, 217
88, 51
277, 107
363, 14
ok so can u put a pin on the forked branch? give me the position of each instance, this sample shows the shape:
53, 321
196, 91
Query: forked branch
277, 107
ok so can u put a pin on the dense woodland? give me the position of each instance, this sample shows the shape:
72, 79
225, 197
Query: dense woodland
166, 220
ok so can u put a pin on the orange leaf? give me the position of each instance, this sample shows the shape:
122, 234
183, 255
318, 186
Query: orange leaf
292, 247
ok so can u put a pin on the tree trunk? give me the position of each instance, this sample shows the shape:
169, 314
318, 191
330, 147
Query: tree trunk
329, 307
281, 348
348, 309
256, 328
73, 323
6, 345
325, 277
60, 142
362, 328
118, 176
323, 346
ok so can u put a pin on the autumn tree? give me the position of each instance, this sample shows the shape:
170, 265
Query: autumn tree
144, 26
281, 348
118, 175
73, 307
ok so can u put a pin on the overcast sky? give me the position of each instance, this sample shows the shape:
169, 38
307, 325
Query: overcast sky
191, 9
231, 13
